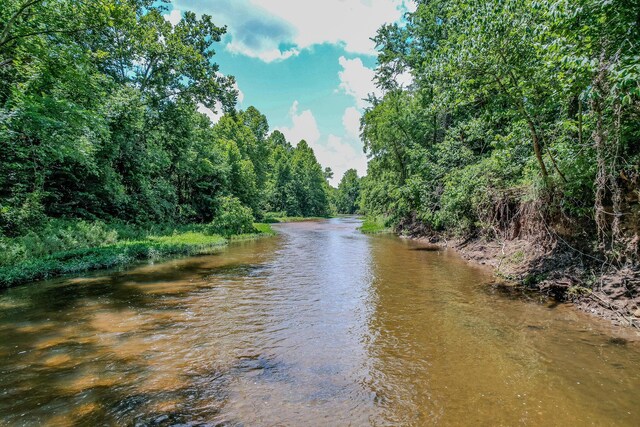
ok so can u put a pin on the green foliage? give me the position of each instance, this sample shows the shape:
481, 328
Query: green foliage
517, 98
63, 247
273, 217
264, 228
232, 218
119, 254
348, 194
277, 217
308, 182
55, 236
100, 121
375, 225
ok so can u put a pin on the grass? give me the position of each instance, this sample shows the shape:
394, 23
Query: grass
375, 225
262, 230
274, 218
278, 217
301, 218
114, 252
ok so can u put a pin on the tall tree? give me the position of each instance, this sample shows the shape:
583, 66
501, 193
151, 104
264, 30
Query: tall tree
348, 194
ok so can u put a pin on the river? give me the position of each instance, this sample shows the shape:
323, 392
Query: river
319, 326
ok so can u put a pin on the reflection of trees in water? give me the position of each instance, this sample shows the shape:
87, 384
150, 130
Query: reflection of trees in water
433, 331
300, 328
119, 348
443, 348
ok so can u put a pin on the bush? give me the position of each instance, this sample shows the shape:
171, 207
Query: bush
21, 214
273, 217
55, 236
95, 258
465, 196
232, 218
375, 225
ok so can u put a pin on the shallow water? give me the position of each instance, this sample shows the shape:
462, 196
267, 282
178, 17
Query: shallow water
319, 326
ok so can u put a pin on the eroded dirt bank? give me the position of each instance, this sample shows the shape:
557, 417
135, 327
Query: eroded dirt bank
557, 270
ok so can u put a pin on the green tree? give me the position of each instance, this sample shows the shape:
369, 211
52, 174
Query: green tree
512, 104
348, 194
308, 180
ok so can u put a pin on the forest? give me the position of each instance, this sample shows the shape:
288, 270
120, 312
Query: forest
101, 140
522, 121
172, 255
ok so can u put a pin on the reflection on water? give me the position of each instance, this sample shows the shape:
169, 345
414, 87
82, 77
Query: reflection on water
319, 326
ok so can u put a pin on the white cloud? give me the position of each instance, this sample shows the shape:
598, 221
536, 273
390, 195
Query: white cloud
214, 117
351, 122
404, 79
351, 23
338, 153
274, 30
304, 126
357, 80
240, 93
411, 6
254, 31
268, 55
174, 17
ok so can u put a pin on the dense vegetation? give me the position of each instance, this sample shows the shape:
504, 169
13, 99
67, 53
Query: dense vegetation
522, 117
347, 195
521, 114
100, 130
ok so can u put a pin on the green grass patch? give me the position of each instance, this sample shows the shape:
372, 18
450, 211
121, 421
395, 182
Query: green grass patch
264, 229
375, 225
42, 265
189, 239
275, 220
277, 217
302, 218
261, 230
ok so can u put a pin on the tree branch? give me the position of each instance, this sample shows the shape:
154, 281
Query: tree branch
14, 17
43, 32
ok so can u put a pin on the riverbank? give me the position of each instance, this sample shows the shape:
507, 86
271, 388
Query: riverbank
77, 247
281, 217
554, 269
301, 319
375, 225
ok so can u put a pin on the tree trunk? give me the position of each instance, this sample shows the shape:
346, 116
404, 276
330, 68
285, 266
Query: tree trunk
537, 148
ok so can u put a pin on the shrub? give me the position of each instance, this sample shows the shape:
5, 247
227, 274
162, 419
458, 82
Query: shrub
55, 236
232, 218
374, 225
273, 217
465, 197
21, 214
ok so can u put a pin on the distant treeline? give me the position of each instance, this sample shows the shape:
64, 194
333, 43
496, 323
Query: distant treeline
99, 120
521, 114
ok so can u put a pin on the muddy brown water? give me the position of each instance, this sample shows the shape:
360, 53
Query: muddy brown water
319, 326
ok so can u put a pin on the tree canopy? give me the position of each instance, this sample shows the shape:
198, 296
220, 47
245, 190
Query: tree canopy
99, 120
512, 104
348, 194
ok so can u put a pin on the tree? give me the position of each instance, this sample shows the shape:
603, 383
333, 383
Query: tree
348, 194
308, 181
512, 104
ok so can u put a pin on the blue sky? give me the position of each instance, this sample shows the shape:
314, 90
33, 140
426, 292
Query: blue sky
305, 64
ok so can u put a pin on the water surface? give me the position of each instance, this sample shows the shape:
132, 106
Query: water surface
319, 326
